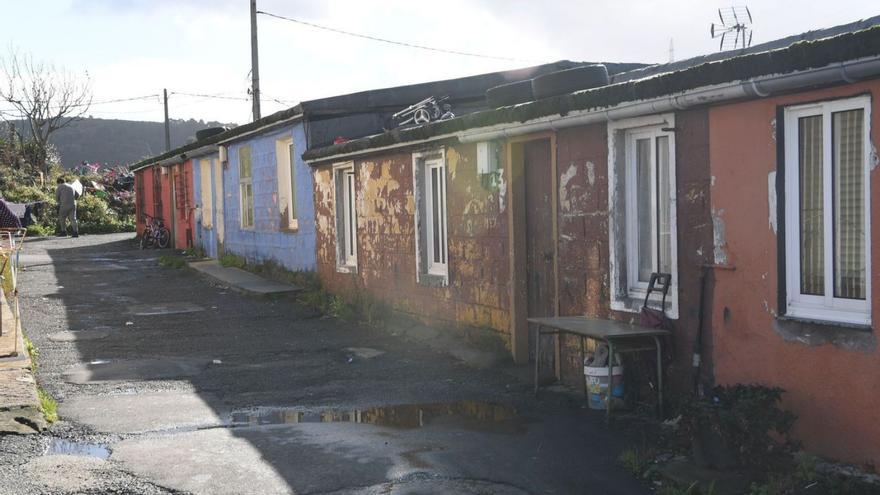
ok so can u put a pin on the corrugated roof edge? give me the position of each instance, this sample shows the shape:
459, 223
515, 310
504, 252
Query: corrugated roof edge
223, 136
798, 56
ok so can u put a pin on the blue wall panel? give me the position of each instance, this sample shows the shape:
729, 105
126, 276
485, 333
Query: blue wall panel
266, 241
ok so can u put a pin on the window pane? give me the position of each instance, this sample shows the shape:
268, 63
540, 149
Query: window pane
292, 201
435, 215
244, 162
664, 218
849, 204
349, 178
644, 205
812, 206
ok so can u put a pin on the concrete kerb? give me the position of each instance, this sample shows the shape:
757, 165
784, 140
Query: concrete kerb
20, 410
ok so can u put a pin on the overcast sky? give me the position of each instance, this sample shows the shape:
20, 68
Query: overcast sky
134, 48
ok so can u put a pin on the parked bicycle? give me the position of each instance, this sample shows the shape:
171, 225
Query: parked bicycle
155, 234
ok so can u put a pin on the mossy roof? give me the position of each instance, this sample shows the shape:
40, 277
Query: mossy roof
798, 56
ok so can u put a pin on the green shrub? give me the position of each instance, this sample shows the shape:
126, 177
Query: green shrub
92, 210
747, 419
37, 230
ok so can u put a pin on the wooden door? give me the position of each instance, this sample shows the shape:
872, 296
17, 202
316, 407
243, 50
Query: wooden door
540, 278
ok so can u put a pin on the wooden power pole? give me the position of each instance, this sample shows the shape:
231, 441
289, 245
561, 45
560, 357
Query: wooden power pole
255, 65
167, 124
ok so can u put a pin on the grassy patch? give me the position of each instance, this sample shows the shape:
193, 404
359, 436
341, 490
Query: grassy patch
194, 252
233, 260
632, 461
37, 230
32, 351
48, 405
172, 261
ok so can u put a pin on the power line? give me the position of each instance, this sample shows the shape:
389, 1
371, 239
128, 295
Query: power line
216, 96
391, 42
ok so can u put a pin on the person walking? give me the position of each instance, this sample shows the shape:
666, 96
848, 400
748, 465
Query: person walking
65, 195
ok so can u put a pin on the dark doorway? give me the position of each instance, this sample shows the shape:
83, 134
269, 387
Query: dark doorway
541, 284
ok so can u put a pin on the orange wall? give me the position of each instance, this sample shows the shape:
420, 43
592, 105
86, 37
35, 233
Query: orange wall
832, 386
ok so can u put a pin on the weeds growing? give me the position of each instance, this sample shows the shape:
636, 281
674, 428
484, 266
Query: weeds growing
175, 262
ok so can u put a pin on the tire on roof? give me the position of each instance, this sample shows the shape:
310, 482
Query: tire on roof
509, 94
210, 131
569, 81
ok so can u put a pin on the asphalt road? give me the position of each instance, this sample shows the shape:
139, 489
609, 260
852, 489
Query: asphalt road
169, 383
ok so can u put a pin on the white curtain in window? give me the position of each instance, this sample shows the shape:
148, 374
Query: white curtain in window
810, 155
849, 187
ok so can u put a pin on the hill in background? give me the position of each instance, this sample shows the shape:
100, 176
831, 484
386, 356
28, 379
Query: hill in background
119, 142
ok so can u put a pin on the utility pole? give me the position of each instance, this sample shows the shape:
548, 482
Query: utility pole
167, 124
255, 65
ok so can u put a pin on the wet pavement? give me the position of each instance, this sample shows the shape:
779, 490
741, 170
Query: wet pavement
170, 383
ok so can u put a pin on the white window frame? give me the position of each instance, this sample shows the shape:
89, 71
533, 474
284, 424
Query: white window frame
246, 205
345, 214
423, 165
827, 307
206, 190
285, 165
628, 293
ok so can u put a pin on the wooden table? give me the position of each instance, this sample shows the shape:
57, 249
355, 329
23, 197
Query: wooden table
624, 336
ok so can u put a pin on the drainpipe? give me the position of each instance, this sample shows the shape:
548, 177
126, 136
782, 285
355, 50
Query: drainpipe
760, 87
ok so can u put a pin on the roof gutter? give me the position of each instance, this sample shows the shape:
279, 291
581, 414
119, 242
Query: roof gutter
760, 87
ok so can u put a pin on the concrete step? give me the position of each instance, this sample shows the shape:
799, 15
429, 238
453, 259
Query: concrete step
241, 280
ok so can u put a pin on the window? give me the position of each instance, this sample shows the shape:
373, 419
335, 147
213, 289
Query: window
643, 225
827, 229
205, 190
346, 217
246, 187
285, 163
429, 180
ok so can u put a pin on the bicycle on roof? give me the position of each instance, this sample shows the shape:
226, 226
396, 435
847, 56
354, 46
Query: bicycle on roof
155, 233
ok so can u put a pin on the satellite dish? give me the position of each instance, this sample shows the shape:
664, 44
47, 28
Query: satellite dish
735, 29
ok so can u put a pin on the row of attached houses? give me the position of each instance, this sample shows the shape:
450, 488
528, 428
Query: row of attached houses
749, 176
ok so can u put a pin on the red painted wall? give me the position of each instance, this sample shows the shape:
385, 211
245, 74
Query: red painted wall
832, 375
158, 202
181, 207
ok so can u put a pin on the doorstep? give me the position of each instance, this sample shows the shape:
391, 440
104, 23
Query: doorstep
241, 280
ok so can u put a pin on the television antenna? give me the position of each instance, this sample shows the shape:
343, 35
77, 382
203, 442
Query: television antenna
735, 29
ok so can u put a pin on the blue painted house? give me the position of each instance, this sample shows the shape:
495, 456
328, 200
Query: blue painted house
267, 197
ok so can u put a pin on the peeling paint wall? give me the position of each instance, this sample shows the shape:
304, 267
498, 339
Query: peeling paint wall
268, 240
830, 373
584, 265
478, 263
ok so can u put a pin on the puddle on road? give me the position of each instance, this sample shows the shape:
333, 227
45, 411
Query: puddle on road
467, 415
59, 446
